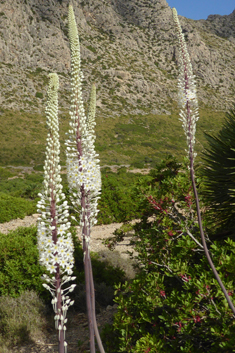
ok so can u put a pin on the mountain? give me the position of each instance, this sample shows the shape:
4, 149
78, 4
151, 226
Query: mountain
128, 48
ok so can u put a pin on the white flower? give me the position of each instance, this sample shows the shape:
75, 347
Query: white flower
52, 268
60, 241
49, 241
68, 268
63, 262
61, 229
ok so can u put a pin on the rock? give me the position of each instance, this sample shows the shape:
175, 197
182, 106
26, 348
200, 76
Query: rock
128, 47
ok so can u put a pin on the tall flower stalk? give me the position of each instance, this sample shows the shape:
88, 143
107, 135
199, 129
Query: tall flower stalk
83, 170
189, 116
54, 239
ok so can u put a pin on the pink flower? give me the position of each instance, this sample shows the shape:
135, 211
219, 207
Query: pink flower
197, 318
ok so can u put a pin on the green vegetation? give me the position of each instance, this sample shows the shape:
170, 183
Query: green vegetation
25, 303
20, 269
19, 263
26, 144
118, 192
14, 207
174, 303
218, 172
39, 95
27, 186
131, 139
18, 196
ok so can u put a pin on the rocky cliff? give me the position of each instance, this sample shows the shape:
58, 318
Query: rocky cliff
129, 48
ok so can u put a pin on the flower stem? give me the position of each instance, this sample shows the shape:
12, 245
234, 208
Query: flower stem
189, 115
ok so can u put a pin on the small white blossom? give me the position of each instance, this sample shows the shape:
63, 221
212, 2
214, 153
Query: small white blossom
187, 95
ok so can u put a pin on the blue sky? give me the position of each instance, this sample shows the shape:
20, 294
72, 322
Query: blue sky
201, 9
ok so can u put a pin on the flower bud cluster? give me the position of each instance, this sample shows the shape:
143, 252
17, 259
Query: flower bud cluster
83, 169
60, 313
91, 112
54, 239
187, 96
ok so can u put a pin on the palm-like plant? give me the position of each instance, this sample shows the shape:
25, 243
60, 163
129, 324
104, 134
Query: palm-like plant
219, 172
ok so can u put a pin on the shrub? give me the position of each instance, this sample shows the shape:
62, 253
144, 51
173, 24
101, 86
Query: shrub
174, 304
19, 265
39, 95
118, 193
5, 174
20, 269
29, 187
14, 207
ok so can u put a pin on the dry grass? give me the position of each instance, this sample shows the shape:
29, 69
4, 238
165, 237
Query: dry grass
22, 320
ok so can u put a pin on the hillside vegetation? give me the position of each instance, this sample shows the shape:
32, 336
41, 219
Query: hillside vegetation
135, 140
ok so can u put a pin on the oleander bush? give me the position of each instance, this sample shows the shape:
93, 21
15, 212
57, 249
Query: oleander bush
174, 303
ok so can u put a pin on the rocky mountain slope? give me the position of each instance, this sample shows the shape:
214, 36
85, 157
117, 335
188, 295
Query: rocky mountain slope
129, 48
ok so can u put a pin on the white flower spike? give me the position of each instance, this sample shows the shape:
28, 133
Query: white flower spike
83, 170
54, 238
186, 89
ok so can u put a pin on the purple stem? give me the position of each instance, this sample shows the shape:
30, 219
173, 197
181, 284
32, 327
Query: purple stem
88, 280
57, 275
189, 121
87, 262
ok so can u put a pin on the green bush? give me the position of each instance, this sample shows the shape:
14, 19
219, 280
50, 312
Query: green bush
5, 174
174, 304
39, 95
19, 265
20, 269
15, 207
29, 187
118, 202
